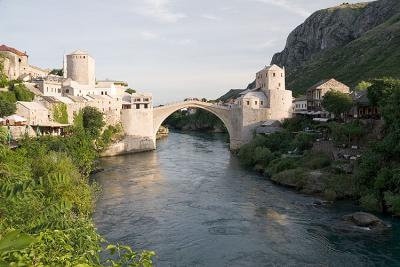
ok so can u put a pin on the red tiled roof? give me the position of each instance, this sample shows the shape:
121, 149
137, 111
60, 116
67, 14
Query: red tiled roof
12, 50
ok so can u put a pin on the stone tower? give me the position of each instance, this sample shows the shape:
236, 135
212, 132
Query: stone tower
271, 81
79, 66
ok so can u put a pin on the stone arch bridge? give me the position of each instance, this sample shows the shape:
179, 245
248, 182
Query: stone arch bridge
141, 125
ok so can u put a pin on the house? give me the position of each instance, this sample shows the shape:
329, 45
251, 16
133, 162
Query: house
300, 105
15, 120
362, 108
315, 94
34, 112
16, 64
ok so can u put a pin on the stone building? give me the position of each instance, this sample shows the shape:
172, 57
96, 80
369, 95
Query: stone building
270, 95
300, 105
34, 112
52, 85
315, 94
16, 64
79, 66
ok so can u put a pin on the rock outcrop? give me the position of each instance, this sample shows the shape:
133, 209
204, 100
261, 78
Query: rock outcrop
330, 28
345, 42
363, 219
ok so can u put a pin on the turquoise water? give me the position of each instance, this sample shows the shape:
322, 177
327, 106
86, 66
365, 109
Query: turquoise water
192, 203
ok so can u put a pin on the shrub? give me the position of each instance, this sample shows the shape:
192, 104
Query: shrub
282, 164
303, 141
370, 202
294, 177
60, 113
262, 155
393, 202
7, 108
316, 161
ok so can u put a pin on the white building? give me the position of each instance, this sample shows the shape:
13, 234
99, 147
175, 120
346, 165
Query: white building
16, 64
79, 66
50, 86
300, 105
34, 112
270, 95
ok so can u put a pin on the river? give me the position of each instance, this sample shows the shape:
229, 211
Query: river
193, 204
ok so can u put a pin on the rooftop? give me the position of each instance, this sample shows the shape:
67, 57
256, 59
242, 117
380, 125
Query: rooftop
32, 105
12, 50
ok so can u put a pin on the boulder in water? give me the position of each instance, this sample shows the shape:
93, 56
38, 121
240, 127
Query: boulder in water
364, 219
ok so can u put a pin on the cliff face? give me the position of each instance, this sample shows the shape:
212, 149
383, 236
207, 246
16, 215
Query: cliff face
336, 31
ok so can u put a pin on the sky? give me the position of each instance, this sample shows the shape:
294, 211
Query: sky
171, 48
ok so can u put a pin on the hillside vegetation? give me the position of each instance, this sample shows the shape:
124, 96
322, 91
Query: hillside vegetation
350, 43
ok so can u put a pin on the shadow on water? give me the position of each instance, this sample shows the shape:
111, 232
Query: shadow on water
192, 203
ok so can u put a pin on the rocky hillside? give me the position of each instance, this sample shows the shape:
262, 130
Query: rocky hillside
350, 42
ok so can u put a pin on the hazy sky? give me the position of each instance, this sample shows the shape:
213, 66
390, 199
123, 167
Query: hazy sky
172, 48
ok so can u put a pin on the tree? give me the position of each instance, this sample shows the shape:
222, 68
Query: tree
92, 121
6, 108
363, 85
58, 72
337, 103
130, 91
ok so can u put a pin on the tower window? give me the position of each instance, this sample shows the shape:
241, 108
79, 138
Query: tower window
274, 74
256, 102
262, 103
248, 102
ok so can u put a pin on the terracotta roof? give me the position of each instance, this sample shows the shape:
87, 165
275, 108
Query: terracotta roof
12, 50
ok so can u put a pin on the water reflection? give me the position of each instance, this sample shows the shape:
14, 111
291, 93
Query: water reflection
193, 204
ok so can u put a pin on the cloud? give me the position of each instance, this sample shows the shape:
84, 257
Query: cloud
210, 17
159, 9
146, 35
287, 6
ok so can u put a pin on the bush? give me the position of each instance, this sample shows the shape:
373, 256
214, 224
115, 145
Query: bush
304, 141
92, 121
316, 161
282, 164
262, 155
393, 202
60, 113
370, 202
7, 108
294, 178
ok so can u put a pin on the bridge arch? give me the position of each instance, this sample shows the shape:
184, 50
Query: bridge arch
160, 114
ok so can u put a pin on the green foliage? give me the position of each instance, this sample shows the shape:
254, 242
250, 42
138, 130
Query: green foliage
7, 108
59, 72
315, 161
346, 133
93, 121
14, 241
22, 93
200, 120
304, 141
337, 103
282, 164
45, 192
3, 135
363, 85
128, 257
60, 113
3, 77
109, 135
379, 169
297, 124
369, 56
130, 91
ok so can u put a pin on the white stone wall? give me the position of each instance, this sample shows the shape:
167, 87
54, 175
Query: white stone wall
80, 67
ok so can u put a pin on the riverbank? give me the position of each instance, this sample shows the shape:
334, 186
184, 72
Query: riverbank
47, 199
191, 197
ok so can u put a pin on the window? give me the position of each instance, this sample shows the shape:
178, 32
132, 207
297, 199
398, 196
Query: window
102, 93
248, 102
262, 103
255, 102
137, 106
274, 74
105, 93
146, 105
146, 100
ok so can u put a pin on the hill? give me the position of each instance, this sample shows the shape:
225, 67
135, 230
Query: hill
350, 42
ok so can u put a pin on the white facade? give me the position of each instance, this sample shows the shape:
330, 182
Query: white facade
270, 96
300, 105
50, 86
34, 112
271, 78
79, 66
